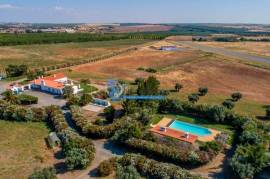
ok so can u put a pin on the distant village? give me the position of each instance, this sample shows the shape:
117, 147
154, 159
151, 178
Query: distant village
21, 28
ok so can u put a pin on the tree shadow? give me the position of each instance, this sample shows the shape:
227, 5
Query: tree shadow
114, 148
60, 168
225, 168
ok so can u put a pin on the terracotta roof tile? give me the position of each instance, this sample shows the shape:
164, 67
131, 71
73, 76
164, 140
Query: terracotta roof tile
175, 134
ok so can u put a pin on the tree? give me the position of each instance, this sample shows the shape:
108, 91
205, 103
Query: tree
46, 173
85, 99
217, 113
31, 75
268, 112
10, 97
129, 130
148, 87
106, 167
228, 104
109, 113
73, 100
139, 80
67, 92
178, 87
203, 91
236, 96
193, 98
127, 172
77, 158
249, 160
16, 70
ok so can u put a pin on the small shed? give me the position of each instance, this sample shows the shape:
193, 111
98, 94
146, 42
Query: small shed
168, 48
53, 140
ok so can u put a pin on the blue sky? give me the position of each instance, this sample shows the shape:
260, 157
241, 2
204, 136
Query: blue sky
148, 11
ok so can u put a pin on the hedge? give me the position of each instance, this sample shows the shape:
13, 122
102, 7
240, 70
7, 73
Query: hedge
92, 130
12, 112
25, 99
180, 156
79, 151
154, 169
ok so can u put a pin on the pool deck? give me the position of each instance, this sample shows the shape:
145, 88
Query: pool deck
165, 122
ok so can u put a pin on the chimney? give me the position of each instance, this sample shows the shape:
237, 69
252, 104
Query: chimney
43, 83
54, 75
35, 81
42, 76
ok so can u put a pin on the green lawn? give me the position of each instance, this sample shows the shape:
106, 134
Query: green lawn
88, 88
22, 148
244, 106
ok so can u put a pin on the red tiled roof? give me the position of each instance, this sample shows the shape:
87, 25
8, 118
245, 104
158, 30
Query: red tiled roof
54, 77
50, 81
175, 134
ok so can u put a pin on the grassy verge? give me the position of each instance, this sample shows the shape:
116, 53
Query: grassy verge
22, 148
244, 106
88, 88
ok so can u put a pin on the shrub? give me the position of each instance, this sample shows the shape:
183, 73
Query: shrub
211, 146
106, 167
236, 96
228, 104
140, 69
79, 151
85, 99
109, 113
127, 172
249, 160
91, 130
268, 112
46, 173
153, 169
151, 70
203, 91
139, 80
178, 87
77, 158
193, 98
25, 99
129, 130
73, 100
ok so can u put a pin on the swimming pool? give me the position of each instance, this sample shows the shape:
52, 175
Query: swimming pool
192, 129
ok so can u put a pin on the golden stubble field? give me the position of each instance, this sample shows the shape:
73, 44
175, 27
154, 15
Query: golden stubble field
191, 68
256, 48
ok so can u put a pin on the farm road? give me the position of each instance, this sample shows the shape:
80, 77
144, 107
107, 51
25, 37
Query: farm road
225, 52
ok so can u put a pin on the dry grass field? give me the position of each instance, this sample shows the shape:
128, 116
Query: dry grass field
193, 69
256, 48
49, 54
23, 149
142, 28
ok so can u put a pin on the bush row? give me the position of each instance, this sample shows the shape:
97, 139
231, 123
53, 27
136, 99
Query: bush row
251, 155
180, 156
91, 130
90, 60
56, 118
50, 38
153, 169
212, 113
79, 151
13, 112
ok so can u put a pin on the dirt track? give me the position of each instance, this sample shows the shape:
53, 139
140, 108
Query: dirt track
227, 52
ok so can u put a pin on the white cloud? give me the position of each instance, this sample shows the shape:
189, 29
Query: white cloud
8, 6
59, 8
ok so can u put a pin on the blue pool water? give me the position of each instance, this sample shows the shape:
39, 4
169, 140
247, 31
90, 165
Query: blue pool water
192, 129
